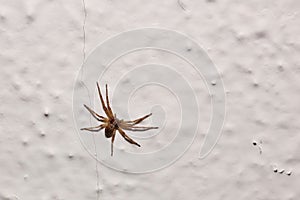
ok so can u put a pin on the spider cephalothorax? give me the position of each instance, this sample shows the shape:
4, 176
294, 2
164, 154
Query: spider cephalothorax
111, 123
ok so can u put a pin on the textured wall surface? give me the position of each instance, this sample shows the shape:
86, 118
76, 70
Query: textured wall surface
255, 45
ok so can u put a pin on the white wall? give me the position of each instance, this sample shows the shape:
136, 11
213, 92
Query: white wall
255, 46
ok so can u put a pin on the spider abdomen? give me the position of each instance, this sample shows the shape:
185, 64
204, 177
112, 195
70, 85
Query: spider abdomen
109, 132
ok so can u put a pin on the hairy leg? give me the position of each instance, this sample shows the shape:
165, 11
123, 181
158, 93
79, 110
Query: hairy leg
107, 101
140, 128
112, 143
139, 120
109, 115
127, 138
93, 129
94, 114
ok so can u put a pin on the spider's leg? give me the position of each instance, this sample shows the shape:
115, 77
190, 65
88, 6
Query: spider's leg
103, 104
139, 119
127, 138
107, 101
141, 128
93, 129
112, 143
94, 114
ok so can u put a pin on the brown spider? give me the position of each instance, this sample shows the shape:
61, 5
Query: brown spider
112, 124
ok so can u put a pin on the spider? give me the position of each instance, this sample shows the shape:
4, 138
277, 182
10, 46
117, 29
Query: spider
112, 124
